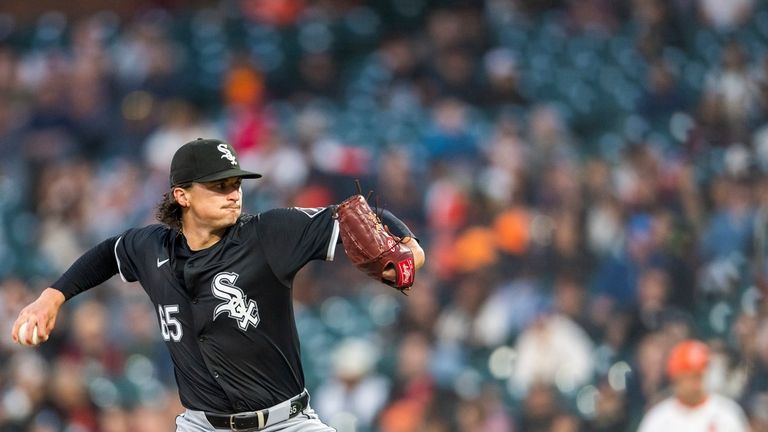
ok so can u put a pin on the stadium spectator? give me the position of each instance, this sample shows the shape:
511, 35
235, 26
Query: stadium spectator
692, 407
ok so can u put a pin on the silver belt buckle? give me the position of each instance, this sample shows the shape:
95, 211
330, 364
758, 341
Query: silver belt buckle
259, 417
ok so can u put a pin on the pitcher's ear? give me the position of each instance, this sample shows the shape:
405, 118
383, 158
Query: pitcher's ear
180, 196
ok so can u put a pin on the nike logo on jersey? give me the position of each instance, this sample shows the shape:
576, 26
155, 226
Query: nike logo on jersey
159, 263
236, 304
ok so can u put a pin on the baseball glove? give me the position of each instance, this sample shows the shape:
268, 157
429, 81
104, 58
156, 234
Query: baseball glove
370, 245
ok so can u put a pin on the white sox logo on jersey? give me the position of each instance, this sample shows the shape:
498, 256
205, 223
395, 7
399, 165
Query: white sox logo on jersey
236, 304
227, 154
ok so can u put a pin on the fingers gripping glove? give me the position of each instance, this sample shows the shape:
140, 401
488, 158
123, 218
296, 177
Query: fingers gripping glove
370, 246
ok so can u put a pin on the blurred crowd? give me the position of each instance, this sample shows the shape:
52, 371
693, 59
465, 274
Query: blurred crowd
589, 179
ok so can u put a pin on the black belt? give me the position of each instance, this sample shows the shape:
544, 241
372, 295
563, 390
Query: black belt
258, 420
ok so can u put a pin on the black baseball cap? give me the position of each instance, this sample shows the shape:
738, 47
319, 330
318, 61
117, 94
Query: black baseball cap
206, 160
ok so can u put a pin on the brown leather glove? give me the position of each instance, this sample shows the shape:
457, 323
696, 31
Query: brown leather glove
371, 247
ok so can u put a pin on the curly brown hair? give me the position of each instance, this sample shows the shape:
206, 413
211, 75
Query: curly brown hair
168, 210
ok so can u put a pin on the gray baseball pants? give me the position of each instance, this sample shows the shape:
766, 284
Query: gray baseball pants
307, 421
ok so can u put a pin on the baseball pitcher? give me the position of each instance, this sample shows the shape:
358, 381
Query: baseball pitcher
220, 282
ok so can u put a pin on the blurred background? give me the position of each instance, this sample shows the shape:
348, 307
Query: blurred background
588, 178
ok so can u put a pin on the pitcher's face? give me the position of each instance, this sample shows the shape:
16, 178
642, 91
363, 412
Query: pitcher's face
216, 204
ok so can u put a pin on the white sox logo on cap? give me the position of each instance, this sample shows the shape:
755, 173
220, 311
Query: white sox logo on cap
227, 154
206, 160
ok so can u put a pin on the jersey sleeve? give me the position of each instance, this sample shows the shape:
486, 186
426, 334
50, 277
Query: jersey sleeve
654, 420
738, 417
646, 425
114, 255
395, 225
91, 269
291, 237
129, 250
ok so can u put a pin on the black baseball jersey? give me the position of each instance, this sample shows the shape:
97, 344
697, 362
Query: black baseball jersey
226, 312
